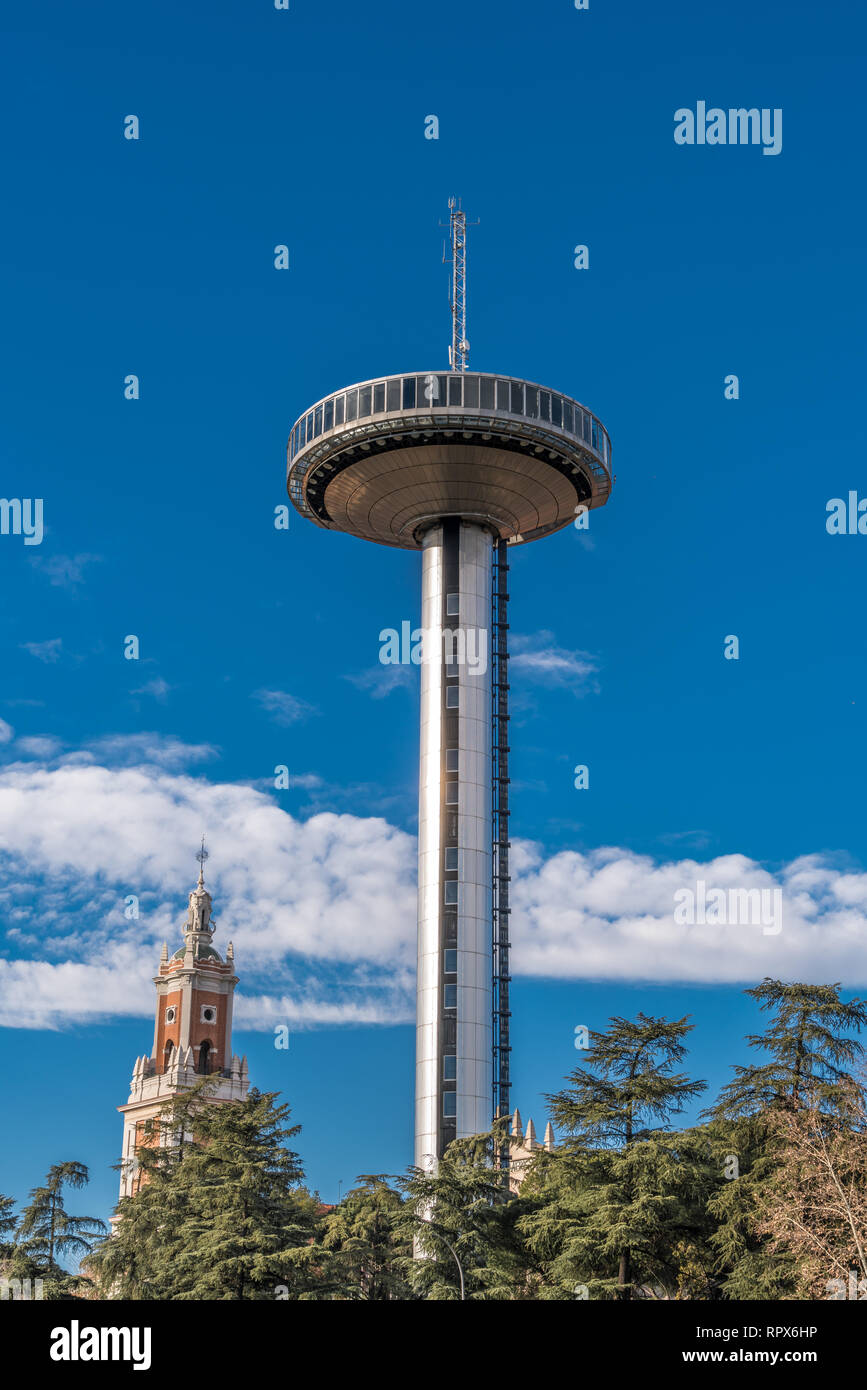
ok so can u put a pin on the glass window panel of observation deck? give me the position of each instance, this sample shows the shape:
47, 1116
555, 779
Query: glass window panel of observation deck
328, 415
517, 397
486, 392
364, 402
379, 398
309, 427
532, 406
471, 392
503, 396
544, 405
408, 392
585, 425
351, 405
568, 417
393, 394
431, 390
455, 392
556, 410
339, 404
594, 434
317, 421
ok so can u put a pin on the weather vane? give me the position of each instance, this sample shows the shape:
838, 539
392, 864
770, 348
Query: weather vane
202, 855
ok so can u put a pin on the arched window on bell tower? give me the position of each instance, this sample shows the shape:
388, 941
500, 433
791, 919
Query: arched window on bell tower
168, 1055
204, 1058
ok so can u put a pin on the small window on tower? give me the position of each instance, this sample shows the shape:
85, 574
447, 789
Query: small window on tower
209, 1013
450, 1069
453, 605
171, 1014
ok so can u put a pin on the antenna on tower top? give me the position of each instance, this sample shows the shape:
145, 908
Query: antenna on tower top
459, 350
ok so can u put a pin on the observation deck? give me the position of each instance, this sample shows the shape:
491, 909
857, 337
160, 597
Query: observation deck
387, 458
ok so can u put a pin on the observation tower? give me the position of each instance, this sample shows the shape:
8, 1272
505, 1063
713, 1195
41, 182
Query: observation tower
459, 465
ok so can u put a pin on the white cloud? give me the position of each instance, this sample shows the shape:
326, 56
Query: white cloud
322, 911
38, 746
609, 915
7, 733
143, 748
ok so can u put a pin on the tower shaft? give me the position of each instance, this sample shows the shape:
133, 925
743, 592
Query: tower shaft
453, 1039
500, 901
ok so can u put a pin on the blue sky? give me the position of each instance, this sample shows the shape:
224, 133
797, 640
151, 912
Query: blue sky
259, 647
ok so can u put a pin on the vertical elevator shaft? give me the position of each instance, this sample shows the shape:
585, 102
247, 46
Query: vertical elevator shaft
454, 1076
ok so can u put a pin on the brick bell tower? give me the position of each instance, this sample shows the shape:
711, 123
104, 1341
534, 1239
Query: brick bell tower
192, 1030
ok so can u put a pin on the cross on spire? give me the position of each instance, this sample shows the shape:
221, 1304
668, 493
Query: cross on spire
202, 855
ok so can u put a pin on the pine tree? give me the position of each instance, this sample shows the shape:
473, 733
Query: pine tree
623, 1190
457, 1216
807, 1043
220, 1213
46, 1233
7, 1222
809, 1052
364, 1246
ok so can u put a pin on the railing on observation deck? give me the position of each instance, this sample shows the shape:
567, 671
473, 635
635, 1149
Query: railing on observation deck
438, 392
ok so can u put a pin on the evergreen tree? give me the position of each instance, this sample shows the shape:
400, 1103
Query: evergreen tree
807, 1043
220, 1212
364, 1245
457, 1218
809, 1051
46, 1233
622, 1191
7, 1222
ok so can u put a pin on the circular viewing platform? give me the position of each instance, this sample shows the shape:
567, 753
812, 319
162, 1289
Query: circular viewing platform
386, 458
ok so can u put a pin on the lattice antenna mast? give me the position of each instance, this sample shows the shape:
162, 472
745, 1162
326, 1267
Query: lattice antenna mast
459, 350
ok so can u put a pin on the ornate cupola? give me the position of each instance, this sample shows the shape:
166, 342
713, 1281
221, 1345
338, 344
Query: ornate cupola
192, 1028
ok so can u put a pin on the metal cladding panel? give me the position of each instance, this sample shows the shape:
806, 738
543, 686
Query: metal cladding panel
454, 1008
428, 1103
474, 839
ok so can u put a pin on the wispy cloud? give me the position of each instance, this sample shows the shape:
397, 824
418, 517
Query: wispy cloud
48, 651
284, 708
65, 571
539, 659
381, 680
157, 688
